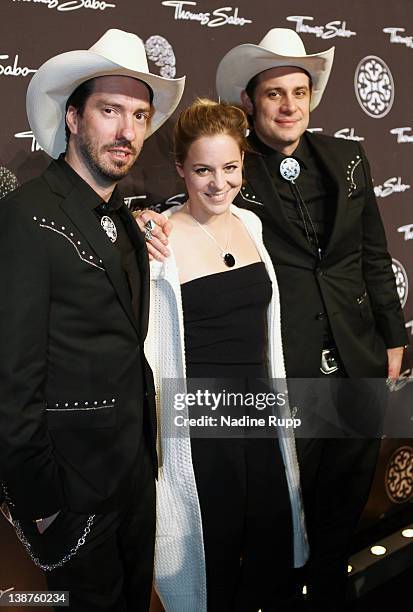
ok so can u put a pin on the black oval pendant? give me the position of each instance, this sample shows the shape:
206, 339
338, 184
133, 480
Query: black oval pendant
229, 260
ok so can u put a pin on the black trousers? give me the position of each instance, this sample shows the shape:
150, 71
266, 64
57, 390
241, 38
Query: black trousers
112, 570
336, 476
244, 501
246, 521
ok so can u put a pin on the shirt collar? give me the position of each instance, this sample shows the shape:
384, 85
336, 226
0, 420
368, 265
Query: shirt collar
90, 198
114, 203
301, 153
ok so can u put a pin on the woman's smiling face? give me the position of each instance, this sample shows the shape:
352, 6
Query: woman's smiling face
212, 171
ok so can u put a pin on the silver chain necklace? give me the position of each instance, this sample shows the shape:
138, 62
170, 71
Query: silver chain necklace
228, 258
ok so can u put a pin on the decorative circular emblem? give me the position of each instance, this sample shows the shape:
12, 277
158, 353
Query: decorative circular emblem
399, 475
290, 169
160, 51
402, 282
374, 86
109, 227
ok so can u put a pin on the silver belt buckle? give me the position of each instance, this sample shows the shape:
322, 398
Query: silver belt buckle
328, 362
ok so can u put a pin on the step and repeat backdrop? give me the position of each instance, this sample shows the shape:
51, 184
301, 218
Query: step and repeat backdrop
368, 99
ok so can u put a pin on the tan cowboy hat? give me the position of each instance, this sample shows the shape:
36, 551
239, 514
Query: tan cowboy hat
279, 47
115, 53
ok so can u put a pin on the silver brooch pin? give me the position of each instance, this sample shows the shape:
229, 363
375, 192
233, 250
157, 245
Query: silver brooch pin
109, 227
290, 169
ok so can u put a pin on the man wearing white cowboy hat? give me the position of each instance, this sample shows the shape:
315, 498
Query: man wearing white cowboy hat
340, 311
78, 434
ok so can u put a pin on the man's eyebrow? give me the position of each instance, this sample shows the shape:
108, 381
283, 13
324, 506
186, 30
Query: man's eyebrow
274, 88
144, 108
268, 89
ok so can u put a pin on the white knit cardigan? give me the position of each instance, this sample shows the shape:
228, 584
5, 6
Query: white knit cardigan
179, 556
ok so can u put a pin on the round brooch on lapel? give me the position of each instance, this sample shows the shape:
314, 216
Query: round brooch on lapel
109, 227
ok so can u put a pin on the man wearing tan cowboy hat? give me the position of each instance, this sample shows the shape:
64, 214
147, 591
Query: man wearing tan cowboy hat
78, 433
340, 312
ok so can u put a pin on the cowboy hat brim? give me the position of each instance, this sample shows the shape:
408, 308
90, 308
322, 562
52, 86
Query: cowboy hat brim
58, 78
245, 61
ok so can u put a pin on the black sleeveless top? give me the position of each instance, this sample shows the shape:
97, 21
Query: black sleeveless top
225, 320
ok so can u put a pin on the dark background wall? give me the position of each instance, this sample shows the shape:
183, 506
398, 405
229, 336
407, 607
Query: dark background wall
190, 38
184, 37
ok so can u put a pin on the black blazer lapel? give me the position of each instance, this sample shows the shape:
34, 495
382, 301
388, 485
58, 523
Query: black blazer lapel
334, 167
142, 257
261, 183
87, 224
85, 221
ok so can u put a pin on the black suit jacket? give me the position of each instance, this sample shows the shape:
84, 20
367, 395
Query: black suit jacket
354, 283
76, 393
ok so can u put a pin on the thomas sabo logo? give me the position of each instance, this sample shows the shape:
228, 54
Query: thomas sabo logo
407, 230
374, 86
399, 475
402, 282
402, 134
9, 67
160, 51
390, 186
34, 145
398, 39
72, 5
226, 15
330, 30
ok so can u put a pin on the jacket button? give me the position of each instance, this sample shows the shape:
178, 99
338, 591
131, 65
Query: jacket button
319, 272
321, 316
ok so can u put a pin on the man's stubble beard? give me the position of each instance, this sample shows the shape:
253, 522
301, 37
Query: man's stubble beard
99, 168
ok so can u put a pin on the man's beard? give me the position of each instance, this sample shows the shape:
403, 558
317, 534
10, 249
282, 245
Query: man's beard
101, 168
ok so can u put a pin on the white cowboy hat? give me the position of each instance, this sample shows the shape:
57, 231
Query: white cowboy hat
115, 53
279, 47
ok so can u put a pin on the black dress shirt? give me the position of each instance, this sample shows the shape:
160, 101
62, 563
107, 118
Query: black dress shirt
123, 242
318, 193
315, 187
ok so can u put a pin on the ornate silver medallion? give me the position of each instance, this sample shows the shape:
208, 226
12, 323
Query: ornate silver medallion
290, 169
109, 227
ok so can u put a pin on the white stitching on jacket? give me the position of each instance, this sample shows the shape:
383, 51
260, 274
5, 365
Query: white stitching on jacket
248, 199
80, 254
350, 174
89, 405
80, 409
